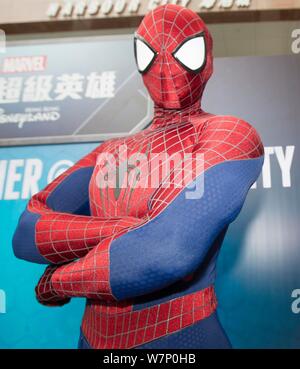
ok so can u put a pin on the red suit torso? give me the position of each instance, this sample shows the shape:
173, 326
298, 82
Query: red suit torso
118, 325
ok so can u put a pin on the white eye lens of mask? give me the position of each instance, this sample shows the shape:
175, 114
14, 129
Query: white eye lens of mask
191, 54
144, 55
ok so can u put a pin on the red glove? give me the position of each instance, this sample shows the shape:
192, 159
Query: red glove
44, 290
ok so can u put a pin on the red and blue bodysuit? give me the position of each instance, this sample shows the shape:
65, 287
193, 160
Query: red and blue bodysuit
124, 230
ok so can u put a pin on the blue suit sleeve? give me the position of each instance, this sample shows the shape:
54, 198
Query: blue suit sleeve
70, 196
173, 244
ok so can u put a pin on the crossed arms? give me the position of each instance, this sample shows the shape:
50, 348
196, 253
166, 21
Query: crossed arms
125, 257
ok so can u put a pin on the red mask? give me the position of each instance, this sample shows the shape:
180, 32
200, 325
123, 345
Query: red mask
173, 50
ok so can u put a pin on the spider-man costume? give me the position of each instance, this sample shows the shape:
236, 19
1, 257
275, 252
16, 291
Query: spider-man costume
144, 256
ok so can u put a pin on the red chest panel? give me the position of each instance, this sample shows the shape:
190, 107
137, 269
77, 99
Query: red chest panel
129, 170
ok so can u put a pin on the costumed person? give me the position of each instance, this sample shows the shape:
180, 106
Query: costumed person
144, 254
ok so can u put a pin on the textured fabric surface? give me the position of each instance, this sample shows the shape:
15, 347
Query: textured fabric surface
173, 244
144, 254
169, 84
56, 224
24, 244
70, 196
205, 334
121, 327
82, 342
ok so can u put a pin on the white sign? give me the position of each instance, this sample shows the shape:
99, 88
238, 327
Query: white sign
93, 8
46, 88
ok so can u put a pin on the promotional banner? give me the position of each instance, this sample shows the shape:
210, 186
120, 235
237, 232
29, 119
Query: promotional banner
258, 269
258, 274
66, 91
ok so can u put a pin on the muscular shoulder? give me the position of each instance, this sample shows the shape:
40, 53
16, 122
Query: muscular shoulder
230, 138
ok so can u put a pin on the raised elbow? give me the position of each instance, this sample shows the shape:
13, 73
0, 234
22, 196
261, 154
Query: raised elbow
23, 241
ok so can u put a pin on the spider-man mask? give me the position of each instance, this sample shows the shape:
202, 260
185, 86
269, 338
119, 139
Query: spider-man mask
173, 50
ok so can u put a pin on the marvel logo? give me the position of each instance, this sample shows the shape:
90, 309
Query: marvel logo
23, 64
